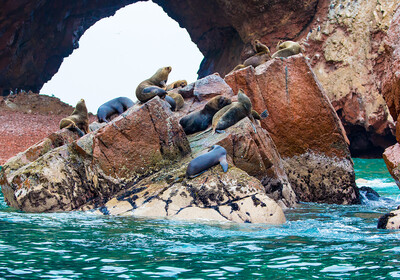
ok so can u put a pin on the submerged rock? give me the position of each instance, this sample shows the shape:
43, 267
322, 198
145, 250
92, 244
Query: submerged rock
304, 126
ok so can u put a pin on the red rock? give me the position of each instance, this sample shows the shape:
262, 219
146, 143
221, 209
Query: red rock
391, 157
211, 86
254, 153
304, 127
97, 165
147, 138
391, 77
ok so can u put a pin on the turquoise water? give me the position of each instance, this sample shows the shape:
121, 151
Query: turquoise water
318, 241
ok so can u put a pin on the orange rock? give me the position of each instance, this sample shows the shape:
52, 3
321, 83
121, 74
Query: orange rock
391, 156
304, 127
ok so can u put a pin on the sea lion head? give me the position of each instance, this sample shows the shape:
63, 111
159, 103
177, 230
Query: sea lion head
161, 76
182, 83
80, 108
223, 101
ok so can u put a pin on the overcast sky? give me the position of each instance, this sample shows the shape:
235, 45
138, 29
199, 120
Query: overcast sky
119, 52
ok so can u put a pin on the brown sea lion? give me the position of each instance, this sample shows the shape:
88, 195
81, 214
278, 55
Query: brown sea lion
115, 106
179, 101
78, 121
262, 55
200, 120
216, 154
153, 86
260, 47
287, 48
233, 114
176, 84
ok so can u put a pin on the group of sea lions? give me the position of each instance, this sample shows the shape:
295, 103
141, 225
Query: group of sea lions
219, 112
262, 53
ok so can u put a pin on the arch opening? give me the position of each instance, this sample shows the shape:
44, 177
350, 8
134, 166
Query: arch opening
119, 52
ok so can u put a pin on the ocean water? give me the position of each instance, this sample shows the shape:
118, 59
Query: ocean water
319, 241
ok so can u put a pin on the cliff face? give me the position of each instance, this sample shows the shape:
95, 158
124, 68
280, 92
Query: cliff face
342, 39
36, 35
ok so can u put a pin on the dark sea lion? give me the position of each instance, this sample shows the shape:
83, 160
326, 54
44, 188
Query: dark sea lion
153, 86
78, 121
260, 47
171, 102
176, 84
179, 101
287, 48
200, 120
216, 154
115, 106
233, 114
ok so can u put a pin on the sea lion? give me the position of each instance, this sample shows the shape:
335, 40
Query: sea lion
262, 55
78, 121
216, 154
287, 49
260, 47
171, 102
153, 86
176, 84
115, 106
200, 120
234, 113
179, 101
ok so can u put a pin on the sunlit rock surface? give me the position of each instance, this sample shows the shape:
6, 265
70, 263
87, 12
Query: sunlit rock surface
304, 127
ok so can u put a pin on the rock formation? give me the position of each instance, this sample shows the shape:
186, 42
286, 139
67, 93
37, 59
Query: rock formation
341, 38
345, 50
135, 165
391, 90
304, 127
27, 118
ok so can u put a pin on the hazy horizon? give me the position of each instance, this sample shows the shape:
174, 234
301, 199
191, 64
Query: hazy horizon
119, 52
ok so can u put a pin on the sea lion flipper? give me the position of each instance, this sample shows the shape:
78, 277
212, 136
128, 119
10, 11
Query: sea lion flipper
264, 114
223, 163
171, 102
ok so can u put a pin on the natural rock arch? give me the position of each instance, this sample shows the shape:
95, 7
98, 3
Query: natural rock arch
35, 35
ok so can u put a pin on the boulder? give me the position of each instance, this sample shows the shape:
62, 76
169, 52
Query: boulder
304, 126
391, 156
390, 220
255, 153
98, 164
237, 195
54, 140
214, 195
197, 94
